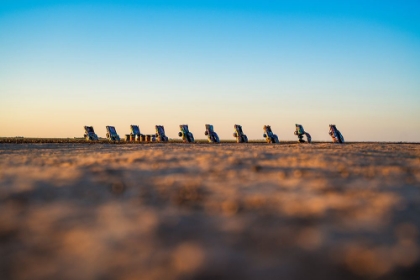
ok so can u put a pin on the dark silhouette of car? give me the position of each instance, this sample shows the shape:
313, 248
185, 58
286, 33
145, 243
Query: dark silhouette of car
239, 134
211, 134
335, 134
111, 133
187, 136
301, 133
160, 134
269, 136
90, 134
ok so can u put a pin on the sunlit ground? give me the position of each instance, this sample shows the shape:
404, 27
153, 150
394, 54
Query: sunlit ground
245, 211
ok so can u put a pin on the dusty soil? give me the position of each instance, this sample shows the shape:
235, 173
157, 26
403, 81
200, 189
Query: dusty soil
202, 211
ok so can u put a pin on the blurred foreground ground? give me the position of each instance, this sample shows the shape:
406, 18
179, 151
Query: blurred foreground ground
180, 211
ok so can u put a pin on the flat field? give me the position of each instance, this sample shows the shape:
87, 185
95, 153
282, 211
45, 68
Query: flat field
203, 211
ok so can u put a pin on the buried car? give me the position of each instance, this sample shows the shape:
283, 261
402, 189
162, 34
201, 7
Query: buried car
90, 134
185, 133
211, 134
269, 136
301, 133
335, 134
160, 134
111, 133
239, 134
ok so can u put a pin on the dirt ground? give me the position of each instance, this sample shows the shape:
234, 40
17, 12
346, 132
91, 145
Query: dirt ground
203, 211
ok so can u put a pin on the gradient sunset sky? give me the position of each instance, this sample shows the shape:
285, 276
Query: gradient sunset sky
66, 64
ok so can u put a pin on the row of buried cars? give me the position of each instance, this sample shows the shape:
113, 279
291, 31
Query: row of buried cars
188, 137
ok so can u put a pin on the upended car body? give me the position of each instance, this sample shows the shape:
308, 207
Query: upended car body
134, 134
301, 133
211, 134
160, 134
185, 133
90, 134
239, 134
111, 133
135, 130
269, 136
335, 134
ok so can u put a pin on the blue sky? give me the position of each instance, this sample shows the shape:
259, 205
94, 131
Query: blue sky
66, 64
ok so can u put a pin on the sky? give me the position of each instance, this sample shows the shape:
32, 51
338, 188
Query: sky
66, 64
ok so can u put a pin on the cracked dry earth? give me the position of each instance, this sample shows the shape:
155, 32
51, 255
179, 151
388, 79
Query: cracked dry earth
202, 211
